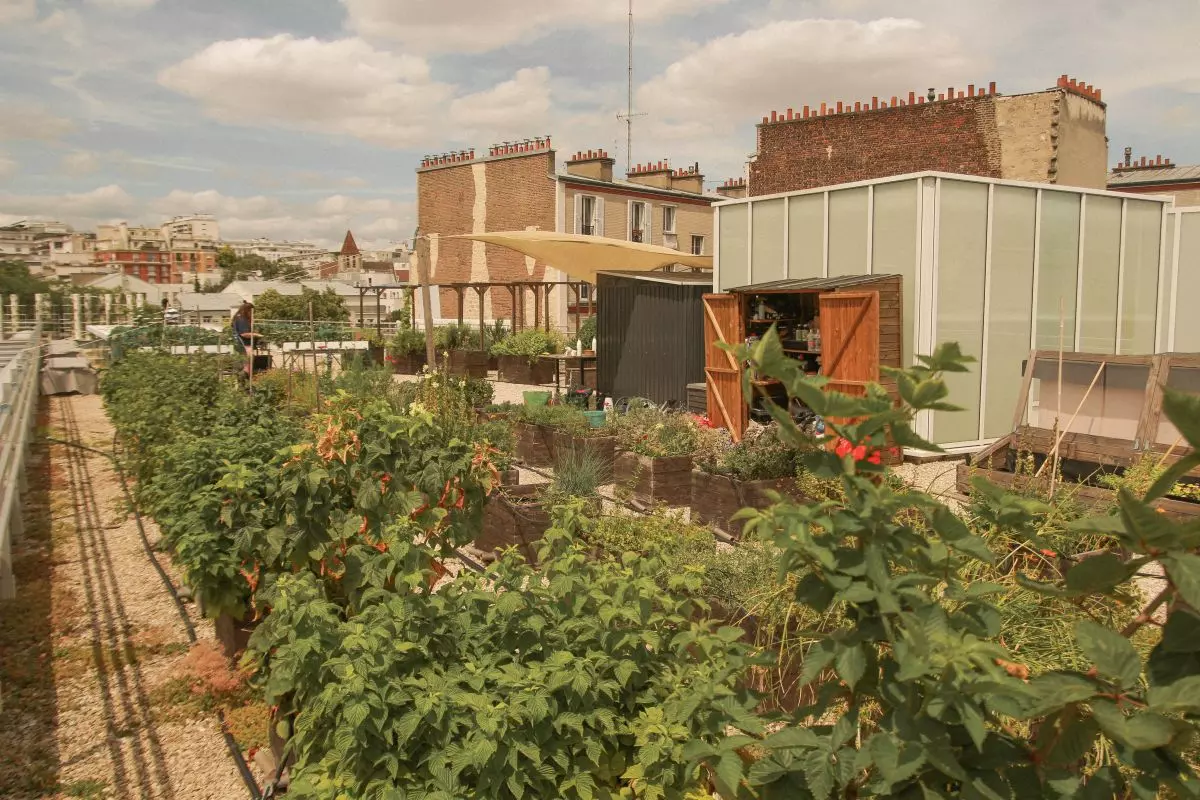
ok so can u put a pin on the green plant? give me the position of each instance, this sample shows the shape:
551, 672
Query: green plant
914, 694
406, 342
587, 331
559, 683
761, 455
578, 472
563, 418
456, 337
647, 431
529, 344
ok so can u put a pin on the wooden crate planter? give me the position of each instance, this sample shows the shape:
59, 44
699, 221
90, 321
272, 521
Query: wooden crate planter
410, 364
716, 498
517, 369
467, 364
656, 480
513, 517
510, 477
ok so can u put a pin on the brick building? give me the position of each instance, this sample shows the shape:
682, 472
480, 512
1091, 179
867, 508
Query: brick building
151, 266
1157, 176
516, 187
1051, 136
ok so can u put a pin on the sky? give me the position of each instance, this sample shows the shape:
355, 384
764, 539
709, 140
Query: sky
299, 119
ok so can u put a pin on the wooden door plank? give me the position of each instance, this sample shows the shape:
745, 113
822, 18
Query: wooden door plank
1023, 396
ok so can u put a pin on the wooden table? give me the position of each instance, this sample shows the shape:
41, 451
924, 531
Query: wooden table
560, 359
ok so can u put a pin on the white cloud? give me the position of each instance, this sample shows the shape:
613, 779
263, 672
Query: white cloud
344, 87
797, 62
67, 24
475, 26
103, 203
123, 5
79, 163
516, 107
7, 166
17, 10
32, 122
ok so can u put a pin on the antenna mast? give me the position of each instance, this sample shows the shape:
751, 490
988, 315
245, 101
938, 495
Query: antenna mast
629, 115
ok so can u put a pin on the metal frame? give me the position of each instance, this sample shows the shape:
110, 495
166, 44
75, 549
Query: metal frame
20, 367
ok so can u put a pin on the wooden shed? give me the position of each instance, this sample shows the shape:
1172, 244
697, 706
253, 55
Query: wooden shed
649, 330
845, 328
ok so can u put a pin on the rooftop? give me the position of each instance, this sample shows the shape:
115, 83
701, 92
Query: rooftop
1148, 176
632, 186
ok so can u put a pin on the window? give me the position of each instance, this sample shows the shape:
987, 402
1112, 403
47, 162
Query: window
668, 219
638, 229
587, 215
697, 245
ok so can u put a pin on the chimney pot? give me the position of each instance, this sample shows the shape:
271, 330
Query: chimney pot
857, 105
912, 98
1158, 161
992, 87
806, 112
822, 109
791, 113
874, 103
970, 90
950, 93
961, 94
921, 100
839, 106
895, 102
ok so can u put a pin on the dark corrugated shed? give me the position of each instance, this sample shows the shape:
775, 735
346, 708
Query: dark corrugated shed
650, 329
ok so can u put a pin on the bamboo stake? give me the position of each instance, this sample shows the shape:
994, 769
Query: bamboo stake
1062, 435
1058, 407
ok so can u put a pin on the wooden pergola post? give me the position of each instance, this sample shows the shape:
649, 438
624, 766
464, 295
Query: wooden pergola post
481, 290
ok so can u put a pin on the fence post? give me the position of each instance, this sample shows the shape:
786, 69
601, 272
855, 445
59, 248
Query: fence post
14, 307
108, 309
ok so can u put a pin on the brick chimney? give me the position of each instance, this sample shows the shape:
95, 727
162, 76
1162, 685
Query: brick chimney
653, 174
690, 179
734, 189
595, 164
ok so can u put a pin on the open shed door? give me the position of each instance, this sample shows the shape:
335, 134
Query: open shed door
723, 324
850, 340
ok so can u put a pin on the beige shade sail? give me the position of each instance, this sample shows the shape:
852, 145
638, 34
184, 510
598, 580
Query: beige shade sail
582, 257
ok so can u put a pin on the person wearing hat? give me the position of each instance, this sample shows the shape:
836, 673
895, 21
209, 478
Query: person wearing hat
244, 335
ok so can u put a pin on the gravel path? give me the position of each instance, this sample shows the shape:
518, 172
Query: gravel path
115, 637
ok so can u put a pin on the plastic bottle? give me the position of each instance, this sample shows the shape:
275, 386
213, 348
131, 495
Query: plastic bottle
608, 404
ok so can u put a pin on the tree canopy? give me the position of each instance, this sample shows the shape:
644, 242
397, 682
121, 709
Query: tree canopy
326, 305
15, 278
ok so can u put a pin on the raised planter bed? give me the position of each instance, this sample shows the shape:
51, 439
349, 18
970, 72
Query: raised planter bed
517, 369
716, 498
1091, 496
510, 477
603, 448
467, 364
531, 445
655, 480
410, 364
513, 517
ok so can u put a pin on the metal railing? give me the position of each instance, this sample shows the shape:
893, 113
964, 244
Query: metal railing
20, 366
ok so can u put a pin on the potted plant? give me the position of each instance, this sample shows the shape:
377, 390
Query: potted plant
518, 516
406, 351
520, 356
655, 454
460, 346
729, 477
587, 335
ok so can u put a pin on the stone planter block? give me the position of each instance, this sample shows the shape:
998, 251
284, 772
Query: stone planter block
517, 369
716, 498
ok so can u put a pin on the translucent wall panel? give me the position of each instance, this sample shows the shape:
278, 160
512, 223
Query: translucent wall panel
1010, 304
1057, 268
1164, 303
806, 236
1101, 259
848, 232
1187, 318
734, 226
962, 248
1180, 379
766, 255
895, 248
1139, 284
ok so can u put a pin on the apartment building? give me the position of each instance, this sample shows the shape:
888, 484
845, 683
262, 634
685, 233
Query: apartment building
517, 186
